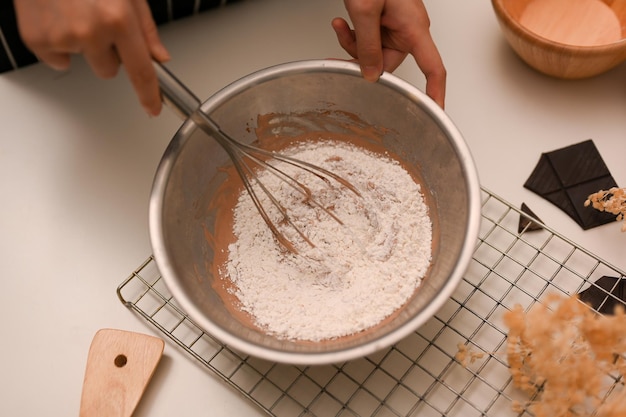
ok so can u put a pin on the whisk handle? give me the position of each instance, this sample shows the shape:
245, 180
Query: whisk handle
174, 93
179, 98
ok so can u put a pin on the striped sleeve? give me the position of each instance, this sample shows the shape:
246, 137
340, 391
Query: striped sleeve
13, 52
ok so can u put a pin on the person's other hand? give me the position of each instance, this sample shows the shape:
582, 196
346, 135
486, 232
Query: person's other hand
385, 32
107, 32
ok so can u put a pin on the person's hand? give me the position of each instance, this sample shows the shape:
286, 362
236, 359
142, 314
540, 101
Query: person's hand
385, 32
107, 32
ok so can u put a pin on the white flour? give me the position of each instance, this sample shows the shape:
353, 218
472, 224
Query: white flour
357, 274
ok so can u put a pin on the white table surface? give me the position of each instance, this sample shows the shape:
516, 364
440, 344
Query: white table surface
77, 158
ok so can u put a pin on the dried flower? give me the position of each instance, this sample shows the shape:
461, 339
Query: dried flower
567, 358
612, 201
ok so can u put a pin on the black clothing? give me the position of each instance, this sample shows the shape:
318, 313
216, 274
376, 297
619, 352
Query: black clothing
14, 54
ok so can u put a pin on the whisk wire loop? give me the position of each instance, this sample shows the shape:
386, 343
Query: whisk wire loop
181, 99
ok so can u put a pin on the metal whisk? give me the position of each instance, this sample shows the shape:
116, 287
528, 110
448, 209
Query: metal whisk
181, 99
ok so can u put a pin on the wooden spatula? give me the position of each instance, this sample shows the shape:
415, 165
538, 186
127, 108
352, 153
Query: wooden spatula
119, 366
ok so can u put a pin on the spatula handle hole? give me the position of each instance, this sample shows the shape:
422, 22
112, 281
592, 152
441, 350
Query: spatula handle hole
120, 360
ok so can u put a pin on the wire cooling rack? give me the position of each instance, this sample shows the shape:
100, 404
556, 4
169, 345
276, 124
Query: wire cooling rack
420, 375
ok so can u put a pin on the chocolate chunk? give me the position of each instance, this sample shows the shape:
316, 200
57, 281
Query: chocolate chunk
605, 294
567, 176
526, 224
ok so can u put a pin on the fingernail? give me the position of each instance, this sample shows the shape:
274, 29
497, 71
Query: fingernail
370, 73
58, 66
152, 112
164, 53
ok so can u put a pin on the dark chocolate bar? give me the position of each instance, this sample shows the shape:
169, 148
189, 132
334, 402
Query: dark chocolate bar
567, 176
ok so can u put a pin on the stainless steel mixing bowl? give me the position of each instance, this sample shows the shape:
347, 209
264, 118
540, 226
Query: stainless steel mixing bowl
189, 174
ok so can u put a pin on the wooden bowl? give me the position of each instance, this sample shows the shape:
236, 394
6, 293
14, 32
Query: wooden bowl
567, 39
